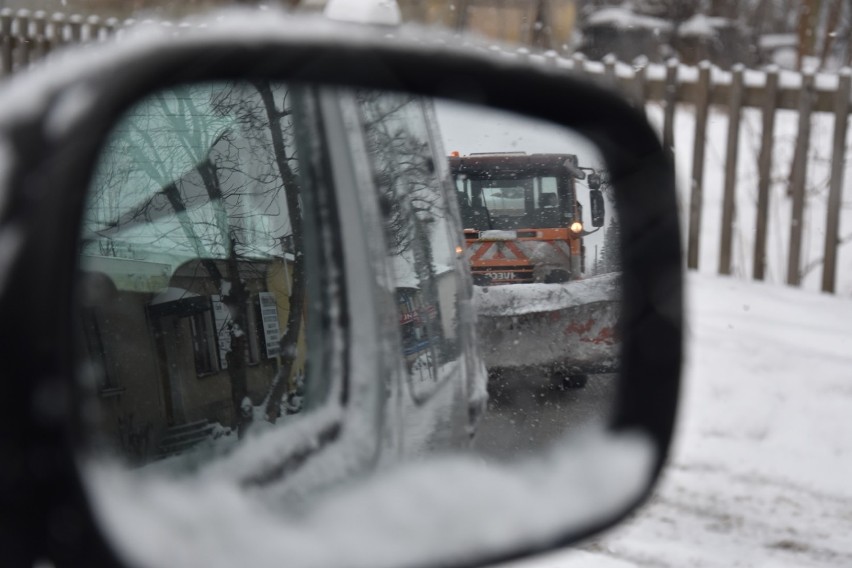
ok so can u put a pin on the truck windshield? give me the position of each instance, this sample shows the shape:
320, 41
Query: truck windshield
512, 203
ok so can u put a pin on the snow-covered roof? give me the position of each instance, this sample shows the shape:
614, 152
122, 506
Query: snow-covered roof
700, 25
776, 41
404, 274
172, 294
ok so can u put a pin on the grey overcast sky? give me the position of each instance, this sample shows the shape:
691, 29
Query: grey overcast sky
469, 128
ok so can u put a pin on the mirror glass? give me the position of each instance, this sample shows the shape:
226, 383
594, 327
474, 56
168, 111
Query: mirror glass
294, 299
547, 279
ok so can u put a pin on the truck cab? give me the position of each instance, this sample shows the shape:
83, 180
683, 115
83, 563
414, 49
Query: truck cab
522, 220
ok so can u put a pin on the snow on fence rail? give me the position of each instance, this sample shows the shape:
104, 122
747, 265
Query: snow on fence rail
26, 37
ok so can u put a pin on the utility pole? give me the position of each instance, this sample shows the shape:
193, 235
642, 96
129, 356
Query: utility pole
596, 261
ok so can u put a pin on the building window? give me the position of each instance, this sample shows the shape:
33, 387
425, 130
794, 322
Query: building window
203, 343
96, 350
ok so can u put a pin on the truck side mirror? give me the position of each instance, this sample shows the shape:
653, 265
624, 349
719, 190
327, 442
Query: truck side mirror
594, 182
597, 201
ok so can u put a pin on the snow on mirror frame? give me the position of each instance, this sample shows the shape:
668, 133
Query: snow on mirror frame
223, 383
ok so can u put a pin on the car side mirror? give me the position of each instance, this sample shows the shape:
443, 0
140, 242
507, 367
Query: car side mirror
248, 323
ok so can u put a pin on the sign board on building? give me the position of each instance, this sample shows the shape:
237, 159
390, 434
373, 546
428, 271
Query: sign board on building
221, 319
269, 318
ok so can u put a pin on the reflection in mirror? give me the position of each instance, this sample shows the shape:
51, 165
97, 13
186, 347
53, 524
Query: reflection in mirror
282, 287
194, 280
546, 273
419, 229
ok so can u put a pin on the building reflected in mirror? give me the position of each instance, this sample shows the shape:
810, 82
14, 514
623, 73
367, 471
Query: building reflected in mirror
192, 271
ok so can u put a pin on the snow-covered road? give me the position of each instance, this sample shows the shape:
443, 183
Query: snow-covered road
761, 472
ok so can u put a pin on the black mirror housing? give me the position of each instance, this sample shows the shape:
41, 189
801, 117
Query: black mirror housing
55, 159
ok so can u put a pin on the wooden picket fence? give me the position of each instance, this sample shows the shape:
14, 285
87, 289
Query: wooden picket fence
673, 85
26, 37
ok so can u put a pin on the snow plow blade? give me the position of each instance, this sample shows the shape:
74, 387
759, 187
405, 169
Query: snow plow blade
571, 327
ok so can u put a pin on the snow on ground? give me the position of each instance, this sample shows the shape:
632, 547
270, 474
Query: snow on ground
761, 468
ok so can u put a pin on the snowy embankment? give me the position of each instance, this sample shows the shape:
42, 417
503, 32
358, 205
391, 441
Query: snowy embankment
761, 467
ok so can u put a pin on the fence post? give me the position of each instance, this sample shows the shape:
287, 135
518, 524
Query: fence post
702, 106
835, 191
579, 64
551, 58
797, 179
640, 83
670, 104
610, 74
57, 28
111, 26
764, 167
22, 45
75, 24
728, 201
6, 46
93, 29
41, 44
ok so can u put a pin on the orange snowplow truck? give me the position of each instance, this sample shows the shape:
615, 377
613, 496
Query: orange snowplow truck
522, 220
